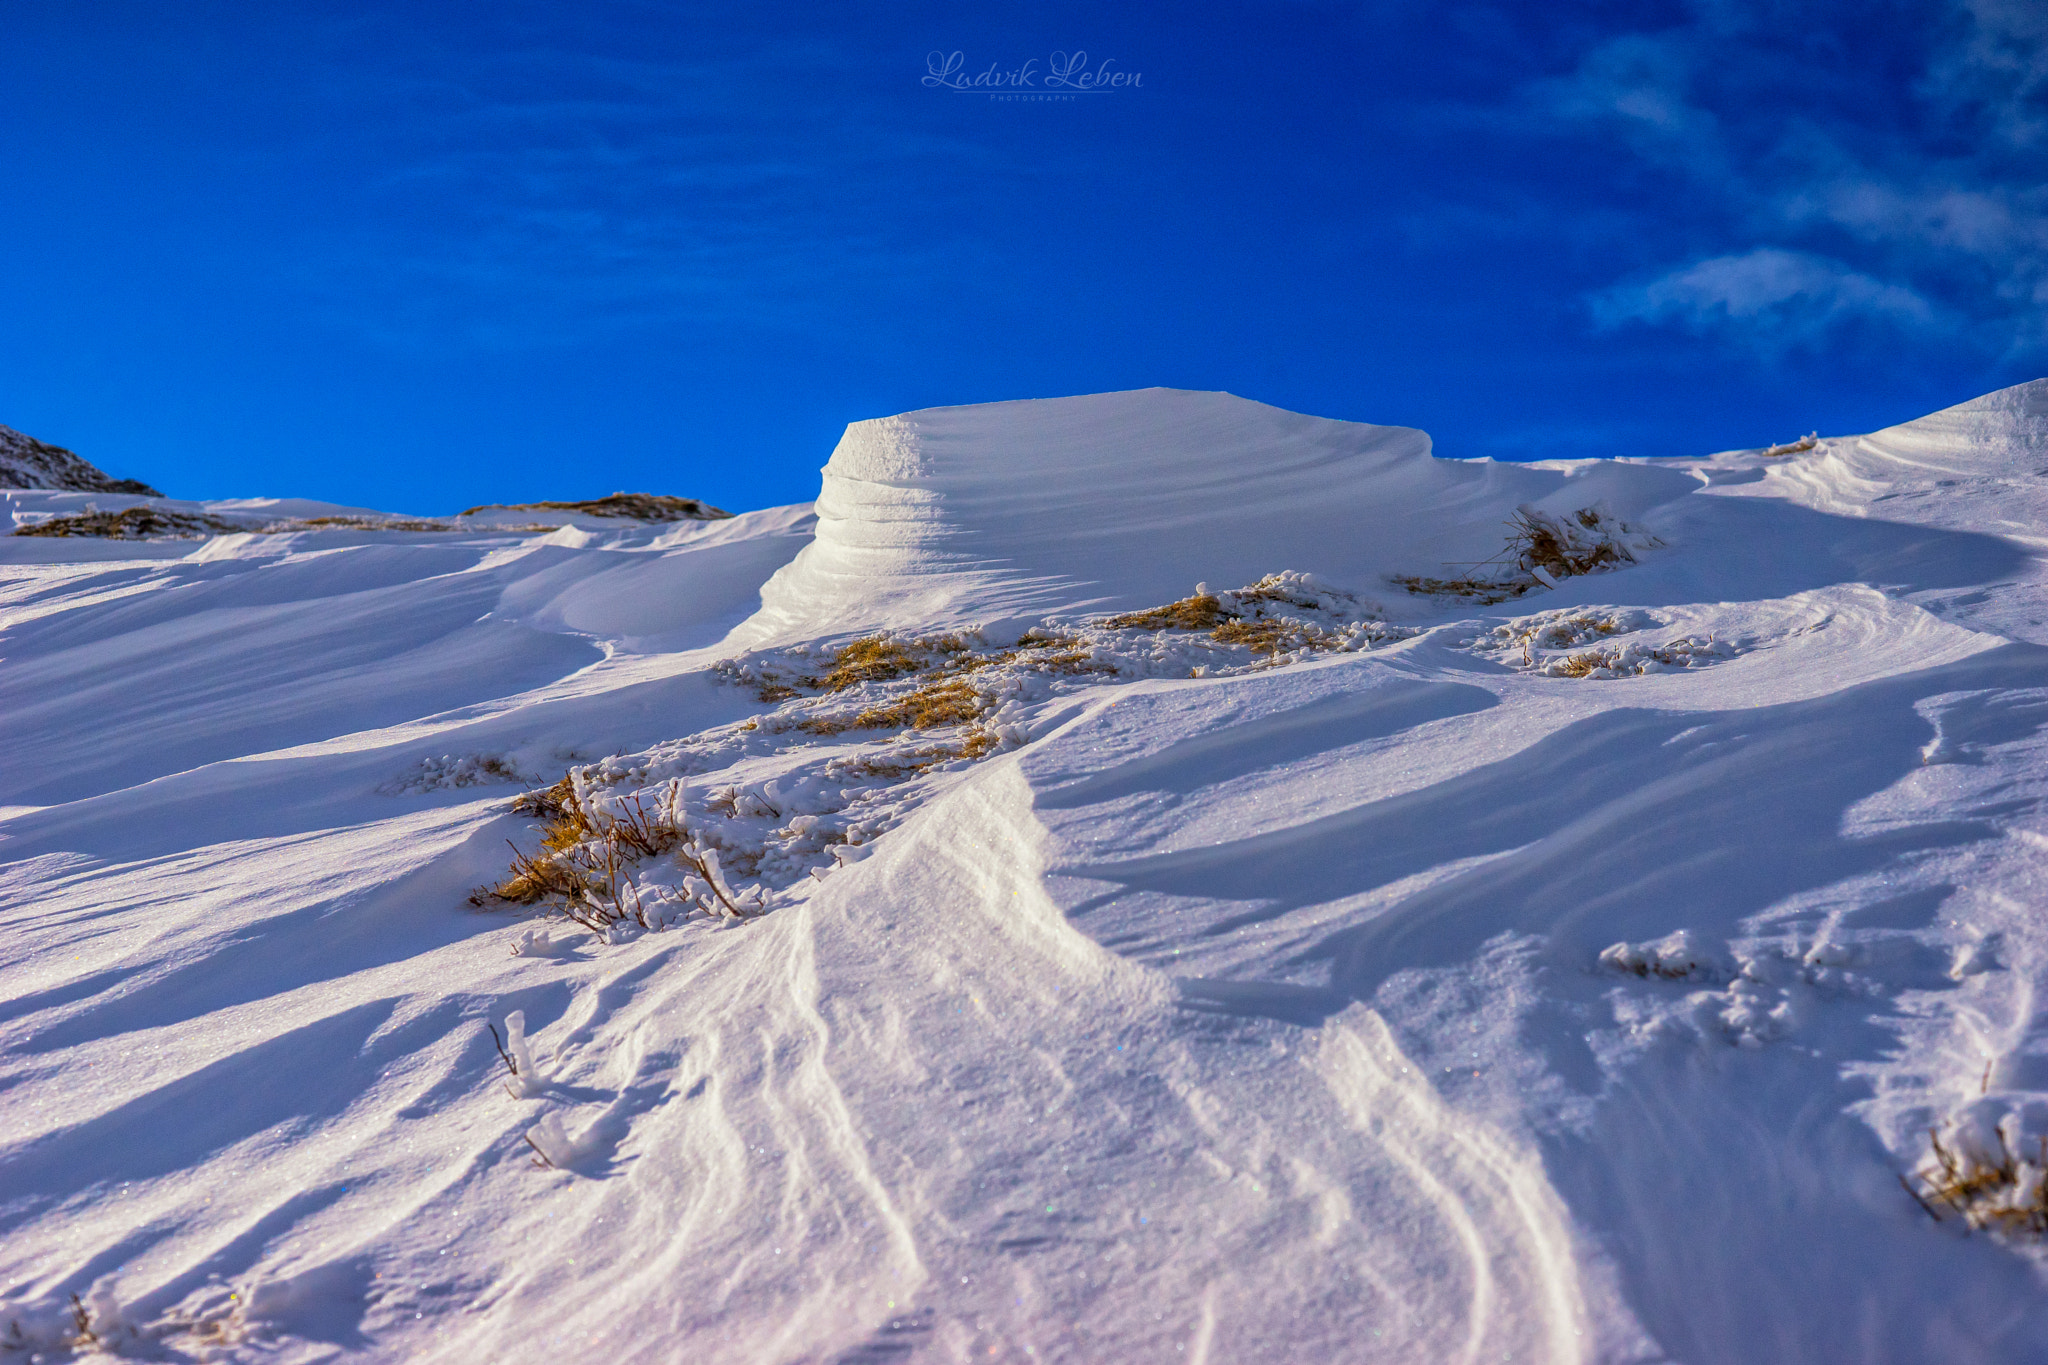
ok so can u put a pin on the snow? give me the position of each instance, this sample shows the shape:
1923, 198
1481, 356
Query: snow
1318, 970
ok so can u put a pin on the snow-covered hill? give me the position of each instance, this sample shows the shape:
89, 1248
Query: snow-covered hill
1314, 969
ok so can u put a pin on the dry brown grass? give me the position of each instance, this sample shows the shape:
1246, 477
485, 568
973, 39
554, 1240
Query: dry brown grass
1531, 545
1483, 592
884, 658
547, 802
134, 523
946, 702
875, 658
1200, 612
1232, 624
1803, 444
1261, 637
2008, 1195
902, 765
1579, 665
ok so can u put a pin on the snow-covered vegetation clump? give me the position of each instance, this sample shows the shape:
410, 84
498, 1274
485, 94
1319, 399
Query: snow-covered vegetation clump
1542, 548
1997, 1185
1554, 644
439, 772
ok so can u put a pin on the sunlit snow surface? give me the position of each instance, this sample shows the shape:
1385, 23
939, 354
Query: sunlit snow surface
1410, 1004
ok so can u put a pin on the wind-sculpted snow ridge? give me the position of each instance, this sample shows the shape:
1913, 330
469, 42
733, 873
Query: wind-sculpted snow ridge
1115, 502
953, 938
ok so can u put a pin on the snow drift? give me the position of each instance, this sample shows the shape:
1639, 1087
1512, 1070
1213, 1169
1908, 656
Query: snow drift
1571, 978
1125, 500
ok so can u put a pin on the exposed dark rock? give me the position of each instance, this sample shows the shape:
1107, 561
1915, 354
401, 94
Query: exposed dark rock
631, 506
26, 462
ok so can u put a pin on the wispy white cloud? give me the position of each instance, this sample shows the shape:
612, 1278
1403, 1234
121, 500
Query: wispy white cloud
1998, 73
1828, 203
1771, 298
1637, 86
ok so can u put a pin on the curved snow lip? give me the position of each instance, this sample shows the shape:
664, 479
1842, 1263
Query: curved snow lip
1115, 501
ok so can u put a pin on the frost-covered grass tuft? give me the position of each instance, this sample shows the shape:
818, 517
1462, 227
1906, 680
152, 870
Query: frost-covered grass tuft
2003, 1192
1541, 549
1283, 618
1533, 636
1548, 644
441, 772
1634, 659
595, 844
1682, 956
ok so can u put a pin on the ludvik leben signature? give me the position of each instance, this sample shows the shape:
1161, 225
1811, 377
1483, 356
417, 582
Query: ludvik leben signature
1065, 73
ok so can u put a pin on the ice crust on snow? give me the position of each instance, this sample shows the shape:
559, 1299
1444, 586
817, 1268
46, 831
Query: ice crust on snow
1250, 961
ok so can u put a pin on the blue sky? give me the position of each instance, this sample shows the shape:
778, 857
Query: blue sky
424, 255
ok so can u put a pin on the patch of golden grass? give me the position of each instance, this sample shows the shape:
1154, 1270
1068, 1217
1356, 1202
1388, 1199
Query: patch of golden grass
551, 872
1261, 637
875, 658
946, 702
1200, 612
1484, 592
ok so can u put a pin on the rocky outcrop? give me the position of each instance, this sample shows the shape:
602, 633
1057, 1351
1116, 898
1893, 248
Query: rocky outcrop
26, 462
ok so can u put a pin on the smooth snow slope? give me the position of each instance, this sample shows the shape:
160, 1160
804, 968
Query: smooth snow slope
1245, 1018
